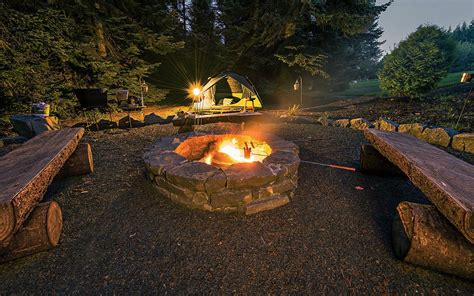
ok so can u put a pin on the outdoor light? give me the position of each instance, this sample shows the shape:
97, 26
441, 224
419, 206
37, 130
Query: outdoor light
466, 77
196, 91
296, 86
299, 86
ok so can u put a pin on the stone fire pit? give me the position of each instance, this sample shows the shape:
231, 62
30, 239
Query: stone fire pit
181, 170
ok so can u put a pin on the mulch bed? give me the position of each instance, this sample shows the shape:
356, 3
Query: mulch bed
120, 236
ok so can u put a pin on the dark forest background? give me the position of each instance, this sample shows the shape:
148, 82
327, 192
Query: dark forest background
48, 48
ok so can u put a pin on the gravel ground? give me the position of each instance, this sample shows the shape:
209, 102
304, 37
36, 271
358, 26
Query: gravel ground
120, 236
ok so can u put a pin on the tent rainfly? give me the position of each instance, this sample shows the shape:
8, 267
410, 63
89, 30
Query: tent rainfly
239, 95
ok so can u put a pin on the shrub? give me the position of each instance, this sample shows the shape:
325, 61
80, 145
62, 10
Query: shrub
418, 63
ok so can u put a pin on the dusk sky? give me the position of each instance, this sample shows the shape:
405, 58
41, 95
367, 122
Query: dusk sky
404, 16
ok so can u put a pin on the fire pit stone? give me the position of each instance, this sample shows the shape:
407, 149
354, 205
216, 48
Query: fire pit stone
182, 170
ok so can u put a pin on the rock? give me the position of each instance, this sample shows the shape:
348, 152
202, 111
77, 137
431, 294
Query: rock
276, 188
231, 199
288, 162
124, 122
158, 163
438, 135
386, 125
248, 175
152, 118
29, 126
464, 142
361, 124
326, 121
216, 182
342, 123
14, 140
1, 143
266, 204
192, 175
414, 129
183, 195
106, 124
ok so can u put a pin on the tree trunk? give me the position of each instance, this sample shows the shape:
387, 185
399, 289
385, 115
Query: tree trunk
99, 31
80, 162
40, 232
421, 235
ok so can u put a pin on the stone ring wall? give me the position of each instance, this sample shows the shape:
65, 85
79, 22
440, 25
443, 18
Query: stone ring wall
242, 187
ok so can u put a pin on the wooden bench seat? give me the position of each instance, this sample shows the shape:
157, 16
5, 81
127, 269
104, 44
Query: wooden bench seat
26, 173
447, 181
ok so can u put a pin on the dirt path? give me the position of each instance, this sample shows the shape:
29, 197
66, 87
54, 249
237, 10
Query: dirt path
120, 236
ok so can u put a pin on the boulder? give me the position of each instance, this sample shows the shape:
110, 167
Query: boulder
326, 121
386, 125
464, 142
438, 135
29, 126
152, 118
361, 124
12, 140
414, 129
106, 124
126, 122
342, 123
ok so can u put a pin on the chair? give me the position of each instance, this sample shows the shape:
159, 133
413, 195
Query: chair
93, 98
129, 103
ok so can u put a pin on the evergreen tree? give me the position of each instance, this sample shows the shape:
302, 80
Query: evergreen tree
418, 63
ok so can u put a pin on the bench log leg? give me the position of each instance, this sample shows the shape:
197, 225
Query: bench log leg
372, 162
40, 232
81, 162
421, 235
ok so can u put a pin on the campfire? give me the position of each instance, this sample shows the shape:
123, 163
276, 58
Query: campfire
224, 172
230, 149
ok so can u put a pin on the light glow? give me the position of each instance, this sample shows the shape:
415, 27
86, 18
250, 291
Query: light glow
196, 91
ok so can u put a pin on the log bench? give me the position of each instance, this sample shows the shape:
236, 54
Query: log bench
26, 173
446, 181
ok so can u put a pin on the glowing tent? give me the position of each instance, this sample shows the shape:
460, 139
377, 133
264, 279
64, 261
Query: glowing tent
227, 92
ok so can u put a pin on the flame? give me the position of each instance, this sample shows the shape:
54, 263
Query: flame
230, 148
208, 159
227, 150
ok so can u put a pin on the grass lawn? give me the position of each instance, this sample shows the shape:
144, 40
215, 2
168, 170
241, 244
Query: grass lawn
372, 87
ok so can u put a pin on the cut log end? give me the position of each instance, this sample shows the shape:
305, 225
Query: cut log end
7, 221
40, 232
421, 235
469, 222
54, 226
81, 162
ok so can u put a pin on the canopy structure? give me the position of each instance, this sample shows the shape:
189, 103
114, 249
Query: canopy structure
227, 92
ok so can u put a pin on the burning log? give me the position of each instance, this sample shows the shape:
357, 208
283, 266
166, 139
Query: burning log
40, 232
421, 235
